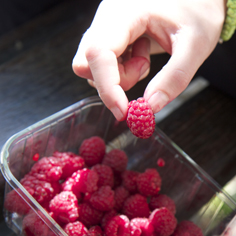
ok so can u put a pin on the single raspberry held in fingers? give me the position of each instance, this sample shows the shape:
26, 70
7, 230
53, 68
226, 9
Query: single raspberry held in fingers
64, 207
187, 228
103, 199
88, 215
129, 180
164, 221
92, 150
95, 231
105, 175
75, 229
136, 206
116, 159
162, 200
69, 163
140, 118
149, 182
141, 227
118, 226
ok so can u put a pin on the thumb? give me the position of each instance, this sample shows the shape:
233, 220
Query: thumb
175, 76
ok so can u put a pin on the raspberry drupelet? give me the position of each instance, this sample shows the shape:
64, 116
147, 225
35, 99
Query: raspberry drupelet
140, 118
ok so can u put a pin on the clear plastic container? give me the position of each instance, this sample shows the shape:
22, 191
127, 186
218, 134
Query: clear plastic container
196, 195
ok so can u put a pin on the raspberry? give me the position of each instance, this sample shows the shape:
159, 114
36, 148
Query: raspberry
149, 182
187, 228
136, 206
129, 180
92, 150
49, 167
32, 225
116, 159
105, 175
107, 216
140, 118
88, 215
69, 163
41, 190
164, 221
83, 181
75, 229
118, 226
161, 162
95, 231
120, 196
162, 200
103, 199
64, 207
15, 203
141, 227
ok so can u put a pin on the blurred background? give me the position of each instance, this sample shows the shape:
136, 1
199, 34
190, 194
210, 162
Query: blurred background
38, 40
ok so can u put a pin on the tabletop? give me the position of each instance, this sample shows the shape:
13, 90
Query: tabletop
36, 80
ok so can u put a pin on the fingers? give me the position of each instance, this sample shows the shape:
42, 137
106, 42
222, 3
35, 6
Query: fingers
177, 73
137, 66
104, 68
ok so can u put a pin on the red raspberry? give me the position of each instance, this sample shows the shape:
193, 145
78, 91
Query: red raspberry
161, 162
15, 203
32, 225
141, 227
75, 229
164, 221
69, 163
140, 118
129, 180
41, 190
64, 207
105, 175
81, 181
136, 206
95, 231
92, 150
103, 199
118, 226
116, 159
121, 194
187, 228
88, 215
49, 168
107, 216
149, 182
162, 200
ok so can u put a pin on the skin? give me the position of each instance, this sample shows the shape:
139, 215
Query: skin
114, 53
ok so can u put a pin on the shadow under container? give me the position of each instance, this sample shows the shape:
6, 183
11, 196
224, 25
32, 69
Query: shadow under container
197, 197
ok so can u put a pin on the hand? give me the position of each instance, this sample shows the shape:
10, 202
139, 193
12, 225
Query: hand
114, 53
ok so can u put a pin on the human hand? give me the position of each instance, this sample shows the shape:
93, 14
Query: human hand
114, 55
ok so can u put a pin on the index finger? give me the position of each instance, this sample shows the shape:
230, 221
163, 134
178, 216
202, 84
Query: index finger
104, 67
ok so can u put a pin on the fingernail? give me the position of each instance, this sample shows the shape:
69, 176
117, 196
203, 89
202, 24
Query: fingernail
144, 70
117, 113
158, 100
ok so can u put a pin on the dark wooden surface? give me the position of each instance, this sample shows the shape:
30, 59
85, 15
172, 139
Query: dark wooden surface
36, 80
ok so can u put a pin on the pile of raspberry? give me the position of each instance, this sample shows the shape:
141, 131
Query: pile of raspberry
93, 194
